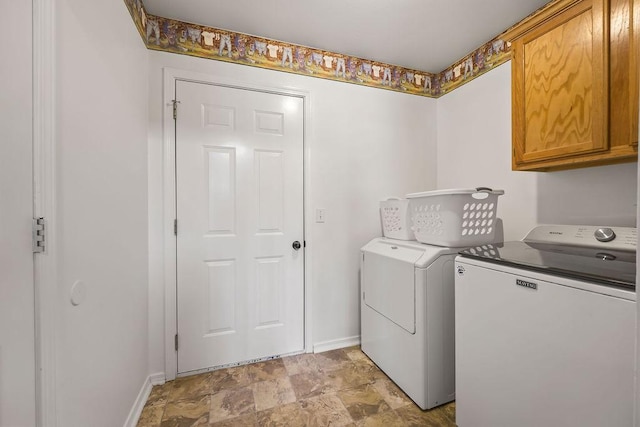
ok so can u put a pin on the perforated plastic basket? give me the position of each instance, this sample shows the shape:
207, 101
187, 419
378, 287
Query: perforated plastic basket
455, 217
396, 219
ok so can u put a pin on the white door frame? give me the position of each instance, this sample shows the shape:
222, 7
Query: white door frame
44, 205
170, 75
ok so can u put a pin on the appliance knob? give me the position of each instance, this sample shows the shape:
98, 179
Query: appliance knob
604, 235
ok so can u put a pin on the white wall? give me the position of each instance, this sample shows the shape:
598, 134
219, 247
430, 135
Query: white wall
365, 144
17, 358
474, 149
101, 109
636, 406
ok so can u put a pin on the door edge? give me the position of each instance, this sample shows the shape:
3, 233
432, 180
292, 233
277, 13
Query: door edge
44, 205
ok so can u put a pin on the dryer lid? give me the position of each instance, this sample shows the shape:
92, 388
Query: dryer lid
412, 252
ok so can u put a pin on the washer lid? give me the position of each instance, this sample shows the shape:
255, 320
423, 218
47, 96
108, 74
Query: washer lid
598, 265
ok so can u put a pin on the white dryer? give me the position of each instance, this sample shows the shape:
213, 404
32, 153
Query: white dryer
407, 316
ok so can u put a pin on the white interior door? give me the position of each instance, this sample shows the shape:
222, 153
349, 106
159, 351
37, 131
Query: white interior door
239, 193
17, 336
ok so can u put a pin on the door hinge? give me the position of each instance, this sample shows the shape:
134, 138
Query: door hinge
176, 342
175, 227
175, 108
38, 235
304, 243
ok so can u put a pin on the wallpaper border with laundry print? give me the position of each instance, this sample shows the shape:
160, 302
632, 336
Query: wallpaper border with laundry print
169, 35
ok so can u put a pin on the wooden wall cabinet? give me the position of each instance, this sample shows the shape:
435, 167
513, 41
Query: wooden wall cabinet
575, 85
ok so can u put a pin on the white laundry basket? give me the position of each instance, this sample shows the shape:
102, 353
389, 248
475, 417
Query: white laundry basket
396, 219
455, 217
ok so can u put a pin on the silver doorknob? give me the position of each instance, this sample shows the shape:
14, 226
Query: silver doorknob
296, 245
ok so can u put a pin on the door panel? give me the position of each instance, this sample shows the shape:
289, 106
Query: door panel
222, 298
270, 179
221, 172
239, 181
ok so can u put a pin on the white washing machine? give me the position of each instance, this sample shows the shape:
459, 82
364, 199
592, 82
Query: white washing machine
545, 329
407, 318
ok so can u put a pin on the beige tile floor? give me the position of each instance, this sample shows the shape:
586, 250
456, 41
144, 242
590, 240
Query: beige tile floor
336, 388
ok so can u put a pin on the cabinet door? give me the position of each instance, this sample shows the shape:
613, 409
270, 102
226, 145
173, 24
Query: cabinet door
623, 75
560, 86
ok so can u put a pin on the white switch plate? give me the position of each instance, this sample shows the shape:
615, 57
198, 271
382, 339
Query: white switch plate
320, 215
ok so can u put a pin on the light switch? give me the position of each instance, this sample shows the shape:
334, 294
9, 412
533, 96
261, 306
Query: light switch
320, 215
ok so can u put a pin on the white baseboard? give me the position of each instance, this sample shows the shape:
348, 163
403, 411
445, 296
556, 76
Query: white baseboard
336, 344
138, 405
158, 378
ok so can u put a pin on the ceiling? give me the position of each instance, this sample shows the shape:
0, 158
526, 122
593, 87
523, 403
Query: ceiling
427, 35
